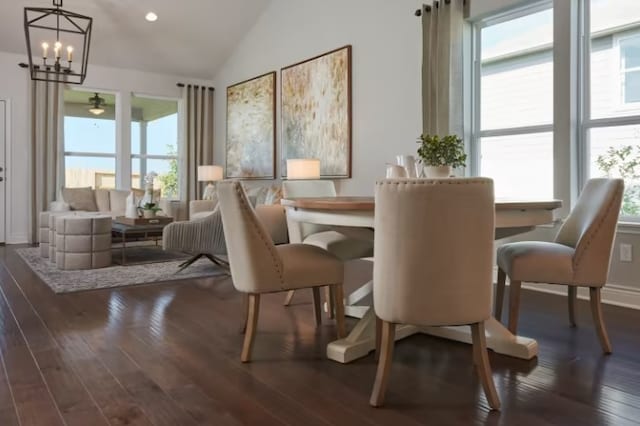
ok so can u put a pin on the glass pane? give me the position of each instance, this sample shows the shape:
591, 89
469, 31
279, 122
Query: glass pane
167, 171
615, 152
517, 72
96, 172
91, 135
521, 166
156, 126
615, 49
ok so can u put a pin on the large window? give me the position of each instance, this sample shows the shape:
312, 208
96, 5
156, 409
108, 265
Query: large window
154, 143
513, 108
89, 141
610, 137
93, 156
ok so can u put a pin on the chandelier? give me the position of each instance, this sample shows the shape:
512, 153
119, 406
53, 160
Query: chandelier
97, 104
57, 43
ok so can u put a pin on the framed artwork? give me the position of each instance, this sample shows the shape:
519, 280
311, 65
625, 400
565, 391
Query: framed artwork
316, 112
251, 128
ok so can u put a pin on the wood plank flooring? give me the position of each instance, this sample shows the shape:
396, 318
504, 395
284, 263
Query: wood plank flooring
169, 354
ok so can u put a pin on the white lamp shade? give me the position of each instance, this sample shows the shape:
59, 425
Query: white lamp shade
210, 173
303, 168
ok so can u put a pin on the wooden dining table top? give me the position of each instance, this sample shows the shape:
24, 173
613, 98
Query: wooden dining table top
368, 203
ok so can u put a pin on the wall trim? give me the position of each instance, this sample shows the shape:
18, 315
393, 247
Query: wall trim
612, 294
17, 239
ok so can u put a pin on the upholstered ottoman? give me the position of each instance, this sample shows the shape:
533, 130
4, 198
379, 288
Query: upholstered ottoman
45, 237
83, 242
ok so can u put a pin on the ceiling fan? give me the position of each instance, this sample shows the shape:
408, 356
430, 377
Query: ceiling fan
97, 104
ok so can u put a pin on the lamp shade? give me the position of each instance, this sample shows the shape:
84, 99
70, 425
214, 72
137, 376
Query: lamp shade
303, 168
210, 173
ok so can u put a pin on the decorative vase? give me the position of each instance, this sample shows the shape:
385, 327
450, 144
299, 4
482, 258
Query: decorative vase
149, 214
409, 164
395, 172
437, 172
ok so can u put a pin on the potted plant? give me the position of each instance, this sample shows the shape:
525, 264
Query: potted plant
441, 155
149, 210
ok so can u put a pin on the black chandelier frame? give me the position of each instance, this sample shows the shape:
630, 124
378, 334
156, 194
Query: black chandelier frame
57, 71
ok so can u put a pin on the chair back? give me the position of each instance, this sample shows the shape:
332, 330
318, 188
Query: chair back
306, 188
433, 251
254, 261
591, 227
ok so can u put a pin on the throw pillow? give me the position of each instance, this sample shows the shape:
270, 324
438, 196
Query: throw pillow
80, 199
118, 201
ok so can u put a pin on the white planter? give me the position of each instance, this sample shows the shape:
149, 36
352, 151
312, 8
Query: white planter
149, 214
437, 171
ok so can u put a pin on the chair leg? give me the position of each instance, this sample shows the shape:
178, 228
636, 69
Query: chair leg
514, 305
378, 337
499, 301
252, 324
330, 298
572, 295
289, 298
384, 364
245, 313
596, 309
483, 368
339, 305
317, 306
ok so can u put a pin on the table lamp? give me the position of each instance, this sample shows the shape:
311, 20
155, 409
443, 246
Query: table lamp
209, 174
303, 168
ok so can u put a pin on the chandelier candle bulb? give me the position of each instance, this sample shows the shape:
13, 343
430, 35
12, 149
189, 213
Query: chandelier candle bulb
45, 49
69, 53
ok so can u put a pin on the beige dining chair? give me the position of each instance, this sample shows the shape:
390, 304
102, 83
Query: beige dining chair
258, 266
346, 243
579, 256
424, 229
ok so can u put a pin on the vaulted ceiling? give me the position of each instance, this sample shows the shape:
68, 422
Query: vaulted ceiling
191, 38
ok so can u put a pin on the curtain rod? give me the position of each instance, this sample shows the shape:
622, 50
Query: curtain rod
427, 7
194, 85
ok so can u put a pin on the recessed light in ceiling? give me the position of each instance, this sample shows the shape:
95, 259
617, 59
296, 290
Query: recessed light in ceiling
151, 17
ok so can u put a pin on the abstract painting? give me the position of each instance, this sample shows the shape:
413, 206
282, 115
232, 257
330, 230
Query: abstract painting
316, 112
251, 128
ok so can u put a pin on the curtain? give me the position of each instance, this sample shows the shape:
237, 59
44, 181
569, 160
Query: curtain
198, 137
45, 148
442, 67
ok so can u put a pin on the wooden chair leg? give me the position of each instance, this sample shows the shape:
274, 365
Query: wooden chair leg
317, 306
339, 306
252, 324
330, 298
378, 336
499, 300
384, 364
483, 368
289, 298
596, 309
245, 313
572, 295
514, 305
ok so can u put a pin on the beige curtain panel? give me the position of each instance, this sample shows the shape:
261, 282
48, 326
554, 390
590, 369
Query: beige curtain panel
442, 67
46, 150
198, 136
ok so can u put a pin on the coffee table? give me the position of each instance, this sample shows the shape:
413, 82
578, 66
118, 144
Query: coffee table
147, 232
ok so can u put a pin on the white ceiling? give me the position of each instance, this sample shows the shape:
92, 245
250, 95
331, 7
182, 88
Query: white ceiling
191, 38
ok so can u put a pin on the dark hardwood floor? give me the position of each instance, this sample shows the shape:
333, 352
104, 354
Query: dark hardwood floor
168, 354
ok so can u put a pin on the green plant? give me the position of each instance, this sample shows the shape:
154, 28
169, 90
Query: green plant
446, 151
169, 180
624, 162
151, 206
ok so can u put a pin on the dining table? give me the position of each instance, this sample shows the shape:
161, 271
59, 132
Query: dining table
512, 217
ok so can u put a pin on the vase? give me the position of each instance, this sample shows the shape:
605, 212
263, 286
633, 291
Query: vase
395, 172
149, 214
437, 172
409, 164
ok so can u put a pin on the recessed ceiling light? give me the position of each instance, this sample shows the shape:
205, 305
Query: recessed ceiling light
151, 17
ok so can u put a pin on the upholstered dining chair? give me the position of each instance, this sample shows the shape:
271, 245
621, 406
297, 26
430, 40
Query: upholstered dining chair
345, 242
258, 266
579, 256
424, 228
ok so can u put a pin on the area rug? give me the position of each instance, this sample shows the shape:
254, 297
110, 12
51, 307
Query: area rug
113, 276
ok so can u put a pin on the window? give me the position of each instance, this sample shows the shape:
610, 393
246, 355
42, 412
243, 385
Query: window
610, 122
89, 141
154, 143
512, 138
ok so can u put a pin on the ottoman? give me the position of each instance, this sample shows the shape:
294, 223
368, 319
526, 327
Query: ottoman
82, 242
44, 235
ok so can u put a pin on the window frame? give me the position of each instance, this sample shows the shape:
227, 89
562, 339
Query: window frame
585, 120
477, 134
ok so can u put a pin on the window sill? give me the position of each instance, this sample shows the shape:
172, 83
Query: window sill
629, 227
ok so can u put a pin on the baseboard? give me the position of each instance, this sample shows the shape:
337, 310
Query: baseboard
17, 239
611, 294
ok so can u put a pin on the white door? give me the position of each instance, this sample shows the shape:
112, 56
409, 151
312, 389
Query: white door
3, 139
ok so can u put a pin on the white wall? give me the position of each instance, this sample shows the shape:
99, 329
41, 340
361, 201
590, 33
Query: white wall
14, 87
386, 40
